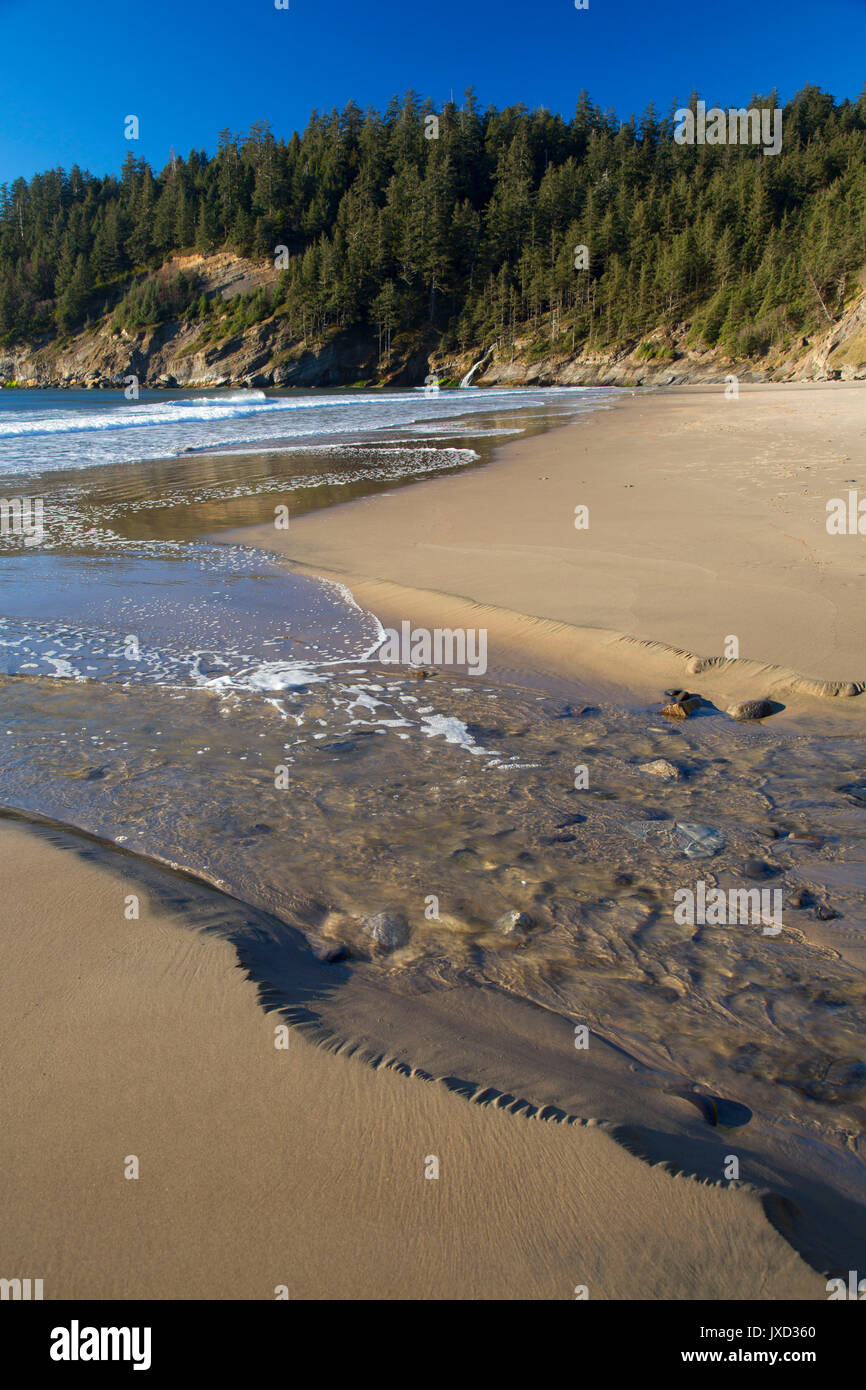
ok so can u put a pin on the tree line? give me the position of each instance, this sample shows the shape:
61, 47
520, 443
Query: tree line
461, 226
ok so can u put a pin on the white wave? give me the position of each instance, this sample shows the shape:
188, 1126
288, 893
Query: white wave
349, 598
152, 413
235, 398
63, 669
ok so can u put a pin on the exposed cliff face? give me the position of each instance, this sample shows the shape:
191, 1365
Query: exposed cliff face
176, 353
171, 355
839, 354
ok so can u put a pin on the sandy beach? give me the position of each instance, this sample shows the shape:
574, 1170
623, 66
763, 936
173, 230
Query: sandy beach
707, 520
304, 1168
432, 678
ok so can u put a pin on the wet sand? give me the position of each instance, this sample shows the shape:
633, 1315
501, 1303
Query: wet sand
262, 1168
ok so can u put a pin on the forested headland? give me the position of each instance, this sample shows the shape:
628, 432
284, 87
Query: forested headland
455, 228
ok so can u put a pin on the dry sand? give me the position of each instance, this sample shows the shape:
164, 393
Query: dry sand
261, 1168
707, 520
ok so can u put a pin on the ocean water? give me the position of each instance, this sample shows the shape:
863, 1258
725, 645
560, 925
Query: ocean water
200, 705
42, 431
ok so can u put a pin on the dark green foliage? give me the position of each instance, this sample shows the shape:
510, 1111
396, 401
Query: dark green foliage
154, 299
470, 237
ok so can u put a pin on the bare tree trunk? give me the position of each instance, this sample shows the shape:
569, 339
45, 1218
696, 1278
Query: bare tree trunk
818, 293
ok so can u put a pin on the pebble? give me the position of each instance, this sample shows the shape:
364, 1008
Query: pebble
387, 929
717, 1110
759, 868
802, 897
467, 858
514, 923
661, 768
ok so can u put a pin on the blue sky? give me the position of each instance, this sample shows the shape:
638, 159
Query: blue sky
73, 69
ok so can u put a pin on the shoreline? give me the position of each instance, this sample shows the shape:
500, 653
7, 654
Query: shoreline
497, 546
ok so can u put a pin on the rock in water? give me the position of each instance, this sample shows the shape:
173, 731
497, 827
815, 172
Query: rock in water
801, 897
388, 929
825, 913
681, 709
759, 868
754, 709
514, 923
330, 952
698, 841
661, 768
716, 1110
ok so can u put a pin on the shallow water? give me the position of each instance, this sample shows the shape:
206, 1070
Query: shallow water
328, 792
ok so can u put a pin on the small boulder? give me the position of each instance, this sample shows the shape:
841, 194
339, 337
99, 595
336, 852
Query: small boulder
389, 930
825, 913
759, 868
681, 709
754, 709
